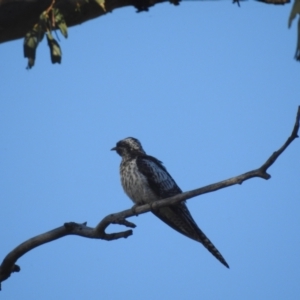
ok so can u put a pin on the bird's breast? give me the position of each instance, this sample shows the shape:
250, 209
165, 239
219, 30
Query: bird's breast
135, 184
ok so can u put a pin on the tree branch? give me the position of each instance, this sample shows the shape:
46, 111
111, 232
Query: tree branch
8, 265
18, 17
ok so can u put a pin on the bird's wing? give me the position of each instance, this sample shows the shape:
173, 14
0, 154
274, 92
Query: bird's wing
159, 180
163, 185
176, 216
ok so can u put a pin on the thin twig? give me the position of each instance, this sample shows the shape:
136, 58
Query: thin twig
50, 7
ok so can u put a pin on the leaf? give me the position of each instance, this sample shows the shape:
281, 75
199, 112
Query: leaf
44, 22
101, 4
60, 22
55, 51
40, 34
31, 42
295, 10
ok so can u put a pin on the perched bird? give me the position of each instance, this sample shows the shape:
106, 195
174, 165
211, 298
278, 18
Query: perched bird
145, 179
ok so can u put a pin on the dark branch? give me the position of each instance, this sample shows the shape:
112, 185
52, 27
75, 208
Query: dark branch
261, 172
8, 265
18, 17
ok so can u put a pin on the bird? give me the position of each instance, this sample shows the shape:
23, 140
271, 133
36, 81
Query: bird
145, 179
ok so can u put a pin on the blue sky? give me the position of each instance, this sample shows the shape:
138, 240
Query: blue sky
211, 90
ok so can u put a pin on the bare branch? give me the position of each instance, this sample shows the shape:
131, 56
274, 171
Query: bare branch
261, 172
8, 265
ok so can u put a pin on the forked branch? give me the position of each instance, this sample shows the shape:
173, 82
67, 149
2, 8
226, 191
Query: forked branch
8, 265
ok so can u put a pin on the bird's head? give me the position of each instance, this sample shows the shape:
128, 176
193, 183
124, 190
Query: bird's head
129, 147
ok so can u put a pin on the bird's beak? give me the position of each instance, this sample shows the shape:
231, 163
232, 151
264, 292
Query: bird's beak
113, 149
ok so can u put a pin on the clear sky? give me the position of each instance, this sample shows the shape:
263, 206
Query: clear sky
208, 88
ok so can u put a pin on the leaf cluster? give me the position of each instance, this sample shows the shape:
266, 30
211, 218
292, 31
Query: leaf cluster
49, 20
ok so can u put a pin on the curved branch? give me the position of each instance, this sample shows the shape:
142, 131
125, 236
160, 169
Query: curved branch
8, 265
261, 172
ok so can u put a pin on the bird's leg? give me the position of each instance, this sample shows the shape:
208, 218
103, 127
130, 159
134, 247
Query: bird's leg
133, 208
153, 207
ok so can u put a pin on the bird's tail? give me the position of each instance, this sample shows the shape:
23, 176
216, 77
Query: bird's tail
179, 218
205, 241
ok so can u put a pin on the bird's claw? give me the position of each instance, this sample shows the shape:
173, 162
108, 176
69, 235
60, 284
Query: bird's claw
133, 209
153, 207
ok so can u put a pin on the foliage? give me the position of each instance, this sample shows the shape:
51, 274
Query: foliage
50, 20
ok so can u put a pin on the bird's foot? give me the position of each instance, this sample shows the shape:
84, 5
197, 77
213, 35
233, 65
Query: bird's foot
133, 209
153, 207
